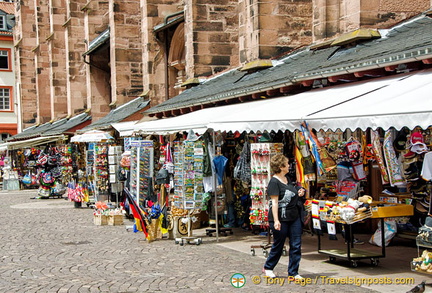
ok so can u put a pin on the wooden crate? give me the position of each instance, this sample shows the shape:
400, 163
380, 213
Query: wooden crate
100, 220
115, 220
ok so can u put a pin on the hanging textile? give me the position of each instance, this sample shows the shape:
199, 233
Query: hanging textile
313, 147
324, 162
220, 163
377, 151
393, 167
242, 169
299, 167
207, 165
328, 163
426, 171
306, 158
354, 152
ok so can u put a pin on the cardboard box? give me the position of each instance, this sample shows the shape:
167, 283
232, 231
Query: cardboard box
389, 210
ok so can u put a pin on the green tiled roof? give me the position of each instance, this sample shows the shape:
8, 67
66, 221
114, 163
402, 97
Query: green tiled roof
51, 128
405, 41
119, 114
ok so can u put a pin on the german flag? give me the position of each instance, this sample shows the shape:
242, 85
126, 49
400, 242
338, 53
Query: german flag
137, 212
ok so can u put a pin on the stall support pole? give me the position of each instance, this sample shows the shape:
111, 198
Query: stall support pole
215, 190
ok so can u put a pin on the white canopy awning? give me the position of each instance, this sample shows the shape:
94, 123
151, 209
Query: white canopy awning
92, 136
286, 113
400, 100
407, 102
32, 142
125, 128
197, 121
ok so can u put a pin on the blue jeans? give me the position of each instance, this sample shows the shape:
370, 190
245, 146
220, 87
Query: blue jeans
231, 215
293, 230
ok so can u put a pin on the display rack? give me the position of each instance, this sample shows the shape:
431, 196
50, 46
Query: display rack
142, 161
101, 172
114, 156
261, 154
188, 183
352, 254
421, 264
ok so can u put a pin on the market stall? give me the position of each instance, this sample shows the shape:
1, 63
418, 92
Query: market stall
97, 182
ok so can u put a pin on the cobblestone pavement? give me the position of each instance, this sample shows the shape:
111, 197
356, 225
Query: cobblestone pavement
50, 246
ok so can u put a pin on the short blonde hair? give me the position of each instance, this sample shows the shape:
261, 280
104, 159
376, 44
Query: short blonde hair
277, 162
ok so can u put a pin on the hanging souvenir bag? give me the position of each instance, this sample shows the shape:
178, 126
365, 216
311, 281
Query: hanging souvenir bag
27, 180
79, 193
53, 157
34, 179
358, 171
354, 151
42, 159
56, 172
86, 194
47, 178
121, 174
71, 191
168, 164
242, 170
44, 192
58, 188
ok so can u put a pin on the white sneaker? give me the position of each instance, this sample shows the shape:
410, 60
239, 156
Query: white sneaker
296, 278
269, 273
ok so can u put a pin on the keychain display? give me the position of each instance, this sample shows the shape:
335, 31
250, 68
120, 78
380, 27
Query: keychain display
101, 169
260, 177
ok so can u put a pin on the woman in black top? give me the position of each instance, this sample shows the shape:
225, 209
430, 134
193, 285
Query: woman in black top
285, 217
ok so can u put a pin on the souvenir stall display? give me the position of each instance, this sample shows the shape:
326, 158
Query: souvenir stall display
10, 176
91, 185
423, 263
66, 161
104, 215
79, 189
188, 188
49, 162
101, 172
114, 157
399, 195
89, 170
141, 171
29, 169
261, 154
3, 154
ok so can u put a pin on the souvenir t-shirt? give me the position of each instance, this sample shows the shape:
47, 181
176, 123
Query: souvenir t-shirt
288, 208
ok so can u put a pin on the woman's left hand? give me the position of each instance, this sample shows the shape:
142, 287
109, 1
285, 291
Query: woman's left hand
301, 192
